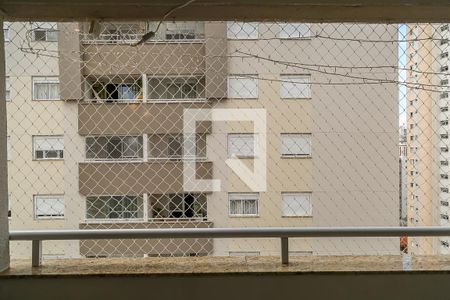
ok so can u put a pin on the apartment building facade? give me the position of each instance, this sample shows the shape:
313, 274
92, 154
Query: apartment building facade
427, 121
35, 133
403, 173
124, 148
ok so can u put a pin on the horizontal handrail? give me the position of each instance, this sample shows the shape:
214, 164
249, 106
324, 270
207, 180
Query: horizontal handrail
284, 233
262, 232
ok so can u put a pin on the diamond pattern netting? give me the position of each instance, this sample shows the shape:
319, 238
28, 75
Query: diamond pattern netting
97, 133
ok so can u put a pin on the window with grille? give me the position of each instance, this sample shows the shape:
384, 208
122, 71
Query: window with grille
295, 30
46, 88
242, 145
243, 87
48, 147
295, 144
49, 206
178, 206
296, 204
114, 148
242, 30
182, 31
295, 86
177, 31
44, 32
170, 146
243, 204
121, 32
114, 207
176, 88
118, 88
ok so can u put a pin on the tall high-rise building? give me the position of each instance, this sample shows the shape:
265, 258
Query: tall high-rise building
123, 107
403, 169
427, 121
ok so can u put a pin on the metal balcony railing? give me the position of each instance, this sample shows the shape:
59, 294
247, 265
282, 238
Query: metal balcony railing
37, 236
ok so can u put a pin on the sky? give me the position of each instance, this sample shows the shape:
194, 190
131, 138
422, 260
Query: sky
402, 74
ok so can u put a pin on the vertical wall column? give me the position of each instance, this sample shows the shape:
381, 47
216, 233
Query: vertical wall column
4, 230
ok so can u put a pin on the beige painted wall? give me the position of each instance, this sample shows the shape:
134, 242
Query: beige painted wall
26, 117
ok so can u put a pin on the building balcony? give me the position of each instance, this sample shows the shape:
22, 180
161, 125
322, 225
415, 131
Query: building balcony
135, 178
184, 41
147, 247
136, 118
154, 58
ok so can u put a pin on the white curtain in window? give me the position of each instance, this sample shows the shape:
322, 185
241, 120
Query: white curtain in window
48, 143
242, 145
297, 204
294, 87
49, 206
295, 144
243, 86
243, 204
46, 90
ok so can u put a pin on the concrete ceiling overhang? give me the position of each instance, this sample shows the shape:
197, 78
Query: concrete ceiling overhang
261, 10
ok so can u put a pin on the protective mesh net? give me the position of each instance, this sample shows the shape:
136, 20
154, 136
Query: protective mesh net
227, 124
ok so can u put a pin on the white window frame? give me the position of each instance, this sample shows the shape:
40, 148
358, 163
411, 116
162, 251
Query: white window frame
307, 212
47, 137
58, 197
45, 80
242, 34
114, 220
7, 89
242, 197
6, 31
233, 94
242, 135
45, 27
174, 80
295, 155
297, 83
283, 34
123, 158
